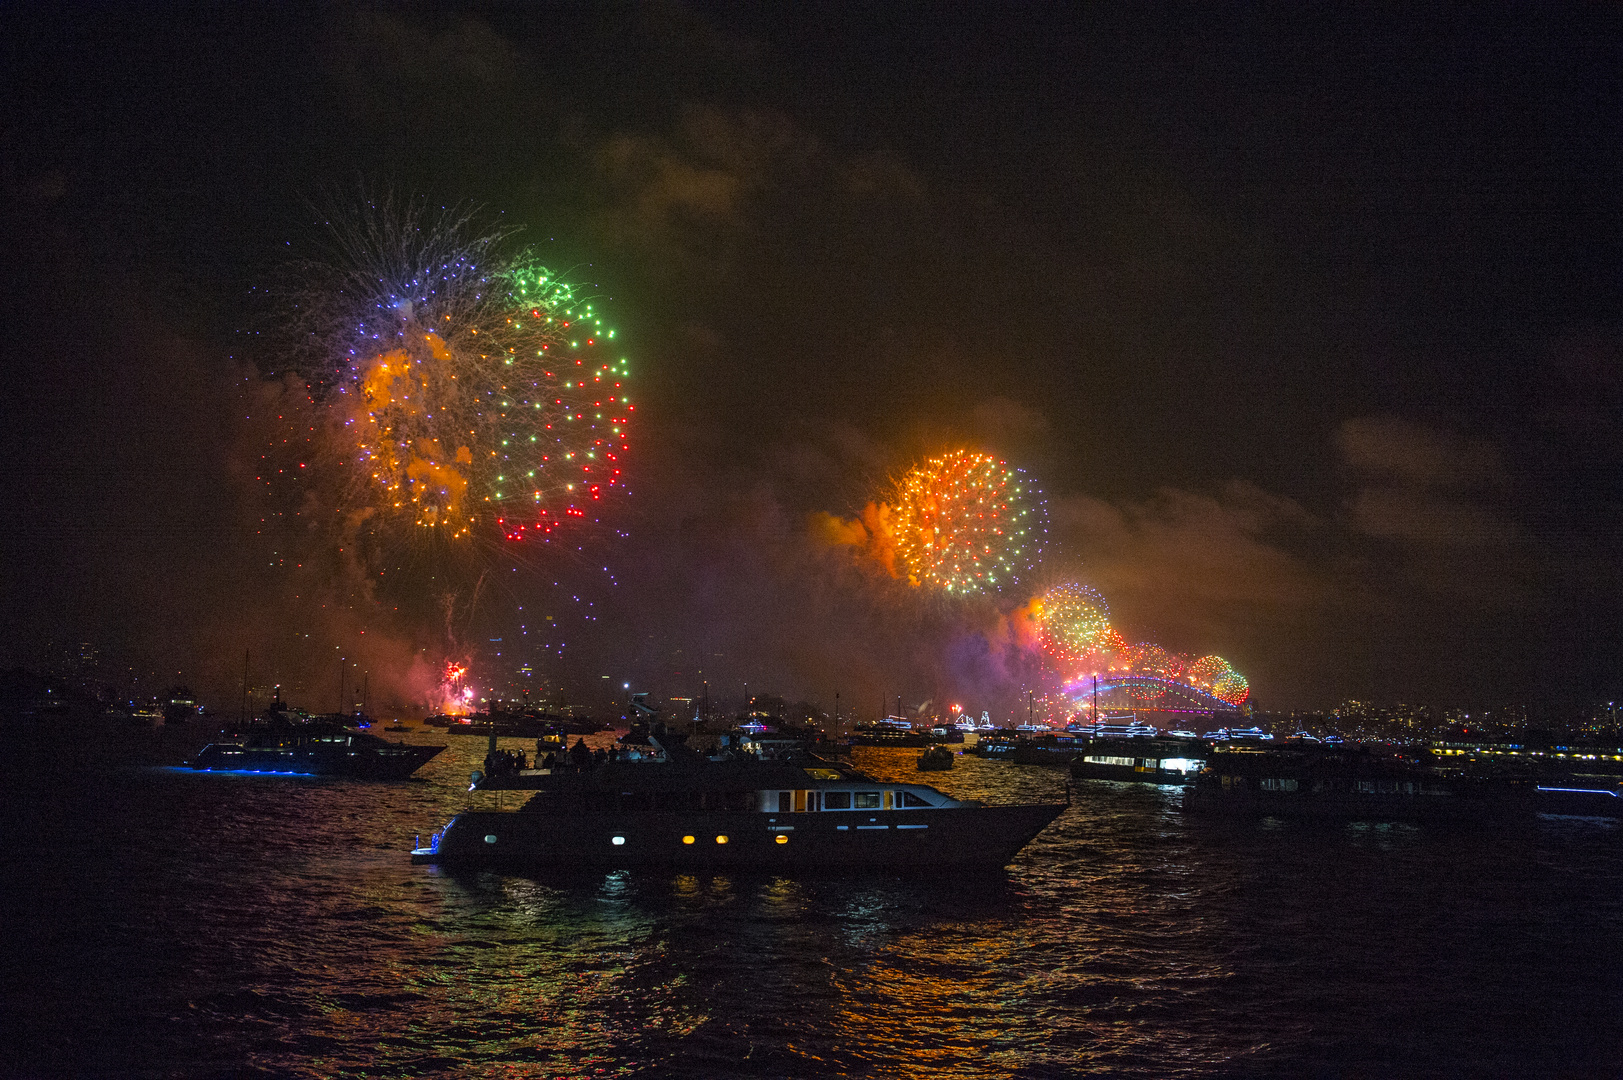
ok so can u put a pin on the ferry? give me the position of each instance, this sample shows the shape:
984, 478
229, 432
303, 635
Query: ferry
1331, 784
678, 809
1144, 760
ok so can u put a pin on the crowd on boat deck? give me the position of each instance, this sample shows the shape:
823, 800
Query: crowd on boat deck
578, 758
582, 758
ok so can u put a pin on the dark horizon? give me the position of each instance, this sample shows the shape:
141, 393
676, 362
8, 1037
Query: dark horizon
1308, 327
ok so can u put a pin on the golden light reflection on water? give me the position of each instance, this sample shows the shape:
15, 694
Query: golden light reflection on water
1125, 940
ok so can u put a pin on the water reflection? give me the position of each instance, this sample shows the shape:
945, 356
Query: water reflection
205, 925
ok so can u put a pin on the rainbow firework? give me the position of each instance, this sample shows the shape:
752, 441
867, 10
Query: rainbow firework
966, 523
471, 392
1217, 675
1073, 621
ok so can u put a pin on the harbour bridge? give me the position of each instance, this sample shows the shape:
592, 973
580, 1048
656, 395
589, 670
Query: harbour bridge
1145, 693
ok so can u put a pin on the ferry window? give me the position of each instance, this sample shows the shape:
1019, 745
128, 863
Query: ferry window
867, 800
800, 802
783, 802
836, 800
907, 798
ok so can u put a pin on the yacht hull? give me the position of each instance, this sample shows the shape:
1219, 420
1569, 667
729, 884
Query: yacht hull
943, 839
394, 762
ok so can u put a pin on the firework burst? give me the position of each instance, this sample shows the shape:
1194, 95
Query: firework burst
1073, 621
1075, 633
966, 523
1217, 675
469, 393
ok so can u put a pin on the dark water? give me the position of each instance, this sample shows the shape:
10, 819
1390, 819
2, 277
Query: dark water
160, 923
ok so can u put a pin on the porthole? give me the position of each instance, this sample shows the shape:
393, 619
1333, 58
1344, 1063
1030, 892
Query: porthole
721, 839
782, 839
490, 838
687, 839
619, 841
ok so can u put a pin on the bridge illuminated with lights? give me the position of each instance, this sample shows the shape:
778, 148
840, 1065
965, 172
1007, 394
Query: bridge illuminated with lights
1150, 693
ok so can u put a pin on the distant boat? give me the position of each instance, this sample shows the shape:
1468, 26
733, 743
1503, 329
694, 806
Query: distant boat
1049, 748
891, 731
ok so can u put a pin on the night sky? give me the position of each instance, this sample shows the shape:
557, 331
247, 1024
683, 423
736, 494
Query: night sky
1308, 322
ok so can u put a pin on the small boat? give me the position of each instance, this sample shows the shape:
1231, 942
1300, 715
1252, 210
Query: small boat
935, 759
679, 809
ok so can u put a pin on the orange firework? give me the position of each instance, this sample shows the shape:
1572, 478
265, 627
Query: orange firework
965, 523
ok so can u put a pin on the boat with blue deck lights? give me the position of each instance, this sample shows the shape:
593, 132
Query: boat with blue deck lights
284, 740
680, 809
